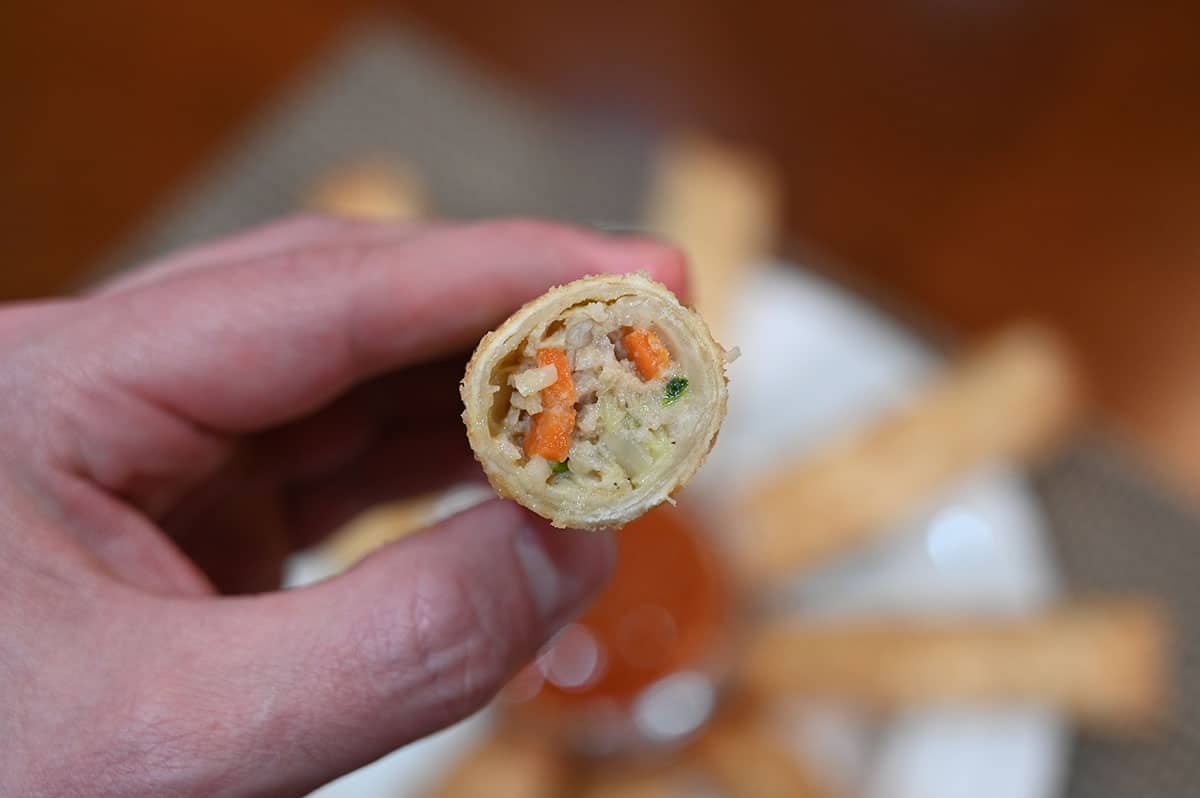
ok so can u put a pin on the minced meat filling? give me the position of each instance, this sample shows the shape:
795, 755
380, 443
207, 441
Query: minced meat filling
625, 425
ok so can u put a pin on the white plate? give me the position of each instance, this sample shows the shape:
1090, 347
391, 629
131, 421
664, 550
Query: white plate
815, 359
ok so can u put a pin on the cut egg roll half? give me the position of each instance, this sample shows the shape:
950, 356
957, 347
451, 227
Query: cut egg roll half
596, 401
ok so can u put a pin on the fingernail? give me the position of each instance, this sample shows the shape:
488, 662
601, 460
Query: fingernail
562, 568
541, 575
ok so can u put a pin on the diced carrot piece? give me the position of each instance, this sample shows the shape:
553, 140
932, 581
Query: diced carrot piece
647, 351
550, 430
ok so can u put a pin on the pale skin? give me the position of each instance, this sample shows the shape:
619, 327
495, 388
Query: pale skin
172, 436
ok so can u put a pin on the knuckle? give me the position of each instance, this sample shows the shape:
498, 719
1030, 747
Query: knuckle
453, 644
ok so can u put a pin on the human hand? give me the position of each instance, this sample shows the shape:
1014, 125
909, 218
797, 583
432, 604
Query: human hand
173, 436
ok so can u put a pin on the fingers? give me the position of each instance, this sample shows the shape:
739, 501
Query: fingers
417, 400
295, 484
151, 384
239, 538
276, 238
393, 468
321, 680
239, 529
251, 345
18, 320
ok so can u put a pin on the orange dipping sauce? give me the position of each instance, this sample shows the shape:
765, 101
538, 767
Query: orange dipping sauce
665, 611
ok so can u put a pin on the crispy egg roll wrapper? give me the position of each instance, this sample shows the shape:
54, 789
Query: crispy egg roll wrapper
632, 446
614, 780
1105, 663
370, 189
1013, 399
721, 205
509, 766
745, 759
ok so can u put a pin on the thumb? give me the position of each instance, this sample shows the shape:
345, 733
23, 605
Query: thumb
303, 686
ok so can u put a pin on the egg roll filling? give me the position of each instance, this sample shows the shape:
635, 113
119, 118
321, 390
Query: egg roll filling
593, 398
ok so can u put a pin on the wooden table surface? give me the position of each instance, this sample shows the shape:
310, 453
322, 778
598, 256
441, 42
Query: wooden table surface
978, 161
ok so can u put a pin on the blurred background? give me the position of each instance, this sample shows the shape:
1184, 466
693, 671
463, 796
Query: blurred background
978, 159
939, 170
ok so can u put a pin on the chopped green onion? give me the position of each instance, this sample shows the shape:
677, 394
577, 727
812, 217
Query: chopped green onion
675, 389
559, 468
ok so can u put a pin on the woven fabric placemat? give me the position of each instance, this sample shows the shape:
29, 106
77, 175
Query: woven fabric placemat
392, 94
1116, 531
484, 150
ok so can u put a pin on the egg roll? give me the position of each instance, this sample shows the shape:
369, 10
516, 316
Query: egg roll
596, 401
